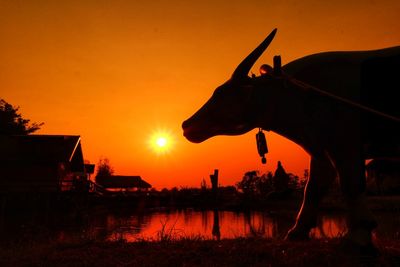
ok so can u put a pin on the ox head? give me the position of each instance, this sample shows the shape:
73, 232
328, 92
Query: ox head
230, 110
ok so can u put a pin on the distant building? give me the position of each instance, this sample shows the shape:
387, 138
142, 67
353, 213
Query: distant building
123, 182
41, 163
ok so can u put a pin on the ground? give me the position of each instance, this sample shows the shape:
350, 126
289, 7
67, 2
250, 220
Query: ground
195, 252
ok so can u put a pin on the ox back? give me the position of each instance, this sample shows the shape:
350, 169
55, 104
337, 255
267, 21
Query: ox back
380, 87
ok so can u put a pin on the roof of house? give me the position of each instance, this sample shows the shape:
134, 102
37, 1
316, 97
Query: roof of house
121, 181
43, 149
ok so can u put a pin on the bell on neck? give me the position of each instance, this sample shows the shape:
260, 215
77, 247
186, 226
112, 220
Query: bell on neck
262, 147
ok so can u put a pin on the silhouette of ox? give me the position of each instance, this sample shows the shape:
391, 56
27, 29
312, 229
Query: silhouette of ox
300, 102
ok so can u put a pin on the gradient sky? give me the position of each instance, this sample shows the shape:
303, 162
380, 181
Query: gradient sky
116, 72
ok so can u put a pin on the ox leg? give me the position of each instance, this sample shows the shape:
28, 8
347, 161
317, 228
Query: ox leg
360, 221
322, 174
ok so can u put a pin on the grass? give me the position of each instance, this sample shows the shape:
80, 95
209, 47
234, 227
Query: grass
185, 251
166, 234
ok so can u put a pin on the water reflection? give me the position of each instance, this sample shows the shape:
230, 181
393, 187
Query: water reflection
330, 226
212, 224
221, 224
215, 229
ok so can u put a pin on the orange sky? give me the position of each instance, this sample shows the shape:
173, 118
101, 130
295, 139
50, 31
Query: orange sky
117, 71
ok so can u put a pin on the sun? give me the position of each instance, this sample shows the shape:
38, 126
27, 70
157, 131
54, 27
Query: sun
161, 142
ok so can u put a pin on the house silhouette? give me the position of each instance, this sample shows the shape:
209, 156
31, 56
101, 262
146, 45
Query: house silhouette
123, 182
41, 163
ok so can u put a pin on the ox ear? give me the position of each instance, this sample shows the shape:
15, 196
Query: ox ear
277, 66
244, 67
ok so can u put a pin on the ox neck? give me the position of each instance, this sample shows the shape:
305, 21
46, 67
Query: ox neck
281, 109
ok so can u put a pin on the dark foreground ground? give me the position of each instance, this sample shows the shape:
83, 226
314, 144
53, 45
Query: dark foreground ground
195, 252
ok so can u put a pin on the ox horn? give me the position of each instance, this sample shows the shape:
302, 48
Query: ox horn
244, 67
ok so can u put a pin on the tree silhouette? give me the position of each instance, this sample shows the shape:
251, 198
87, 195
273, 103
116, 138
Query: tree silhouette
249, 182
265, 184
12, 122
203, 185
104, 170
255, 185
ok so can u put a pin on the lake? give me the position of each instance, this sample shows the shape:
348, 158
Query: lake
166, 224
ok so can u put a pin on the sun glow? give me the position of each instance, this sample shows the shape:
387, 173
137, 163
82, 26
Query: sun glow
161, 142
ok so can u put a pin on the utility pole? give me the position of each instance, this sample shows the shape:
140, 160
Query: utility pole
214, 181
